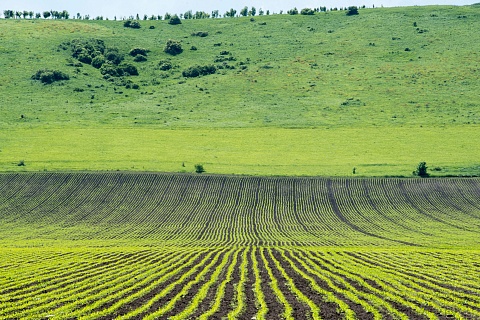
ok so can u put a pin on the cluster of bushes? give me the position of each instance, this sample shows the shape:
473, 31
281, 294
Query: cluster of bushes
49, 76
132, 24
107, 59
197, 71
165, 65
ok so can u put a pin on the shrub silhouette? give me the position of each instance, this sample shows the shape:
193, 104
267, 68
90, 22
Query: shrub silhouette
49, 76
173, 47
421, 170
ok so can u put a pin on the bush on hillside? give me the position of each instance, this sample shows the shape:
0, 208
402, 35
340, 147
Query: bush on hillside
87, 47
138, 51
174, 20
173, 47
201, 34
140, 58
98, 61
165, 65
132, 24
307, 12
112, 55
352, 11
125, 69
49, 76
197, 71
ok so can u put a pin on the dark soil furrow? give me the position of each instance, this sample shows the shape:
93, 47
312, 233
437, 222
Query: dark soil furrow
127, 307
300, 311
186, 299
250, 307
226, 304
206, 304
328, 310
275, 308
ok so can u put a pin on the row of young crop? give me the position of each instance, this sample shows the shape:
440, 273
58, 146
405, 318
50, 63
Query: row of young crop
239, 282
219, 210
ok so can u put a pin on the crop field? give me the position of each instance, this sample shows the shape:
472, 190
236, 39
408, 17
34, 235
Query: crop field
158, 246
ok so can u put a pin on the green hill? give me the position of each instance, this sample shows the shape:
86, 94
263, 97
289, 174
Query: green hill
301, 95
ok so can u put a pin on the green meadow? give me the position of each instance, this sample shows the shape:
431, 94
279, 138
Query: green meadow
292, 95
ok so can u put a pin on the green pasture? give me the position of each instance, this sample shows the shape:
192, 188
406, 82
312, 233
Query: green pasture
258, 151
371, 91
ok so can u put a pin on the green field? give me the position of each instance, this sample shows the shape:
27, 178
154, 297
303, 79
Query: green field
131, 246
343, 93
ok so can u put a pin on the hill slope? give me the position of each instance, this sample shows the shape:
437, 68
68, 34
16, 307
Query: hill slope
386, 68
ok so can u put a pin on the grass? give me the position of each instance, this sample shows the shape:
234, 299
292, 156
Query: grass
345, 86
258, 151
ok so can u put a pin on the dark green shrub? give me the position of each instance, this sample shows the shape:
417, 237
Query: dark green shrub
165, 65
197, 71
199, 168
138, 51
421, 170
173, 47
112, 55
98, 61
132, 24
201, 34
85, 57
352, 11
108, 68
307, 12
129, 69
174, 20
50, 76
293, 11
140, 58
87, 47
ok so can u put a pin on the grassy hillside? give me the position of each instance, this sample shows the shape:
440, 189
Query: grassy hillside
371, 91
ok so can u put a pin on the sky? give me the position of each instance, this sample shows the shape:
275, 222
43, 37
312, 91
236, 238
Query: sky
126, 8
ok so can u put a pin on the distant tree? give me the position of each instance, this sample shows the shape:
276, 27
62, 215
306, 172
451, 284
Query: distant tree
261, 12
293, 11
231, 13
174, 20
46, 14
38, 15
201, 15
159, 17
30, 14
18, 14
188, 15
65, 15
268, 12
167, 16
137, 17
8, 14
352, 11
244, 12
25, 14
215, 14
252, 12
145, 17
79, 16
421, 170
